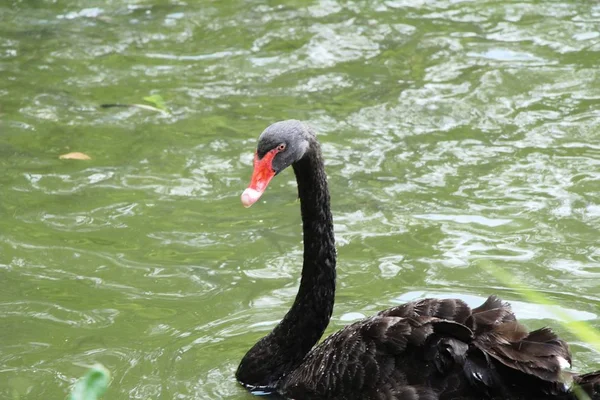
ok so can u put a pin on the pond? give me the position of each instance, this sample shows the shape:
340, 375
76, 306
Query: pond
457, 134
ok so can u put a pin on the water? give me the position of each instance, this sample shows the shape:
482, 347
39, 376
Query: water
455, 133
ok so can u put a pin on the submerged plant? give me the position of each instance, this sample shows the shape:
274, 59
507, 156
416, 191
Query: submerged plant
92, 385
158, 104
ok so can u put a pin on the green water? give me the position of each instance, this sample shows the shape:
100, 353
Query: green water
455, 133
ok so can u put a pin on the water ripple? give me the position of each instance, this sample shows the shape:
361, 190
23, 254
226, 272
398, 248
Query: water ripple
455, 134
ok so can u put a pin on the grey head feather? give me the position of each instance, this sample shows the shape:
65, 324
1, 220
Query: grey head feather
297, 137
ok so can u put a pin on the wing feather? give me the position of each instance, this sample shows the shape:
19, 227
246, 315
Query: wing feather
435, 349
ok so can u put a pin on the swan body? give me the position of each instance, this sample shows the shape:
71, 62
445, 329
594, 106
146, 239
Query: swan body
429, 349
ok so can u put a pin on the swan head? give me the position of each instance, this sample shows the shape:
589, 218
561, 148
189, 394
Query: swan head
279, 146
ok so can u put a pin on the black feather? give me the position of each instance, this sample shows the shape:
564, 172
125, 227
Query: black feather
429, 349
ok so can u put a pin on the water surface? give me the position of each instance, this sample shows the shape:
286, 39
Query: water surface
456, 133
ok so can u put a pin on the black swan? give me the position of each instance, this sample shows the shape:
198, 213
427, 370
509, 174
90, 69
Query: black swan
429, 349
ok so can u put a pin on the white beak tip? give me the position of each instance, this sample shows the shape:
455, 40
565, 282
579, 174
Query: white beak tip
250, 196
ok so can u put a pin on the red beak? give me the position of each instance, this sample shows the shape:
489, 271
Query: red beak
262, 175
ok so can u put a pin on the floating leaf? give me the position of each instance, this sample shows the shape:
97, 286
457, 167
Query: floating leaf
92, 385
151, 108
157, 101
75, 156
142, 106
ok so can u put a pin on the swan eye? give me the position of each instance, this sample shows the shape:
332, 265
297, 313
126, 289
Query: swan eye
281, 147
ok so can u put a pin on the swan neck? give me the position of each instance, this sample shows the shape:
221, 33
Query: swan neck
282, 350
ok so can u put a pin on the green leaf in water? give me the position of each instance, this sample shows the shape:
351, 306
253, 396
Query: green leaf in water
157, 101
92, 385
